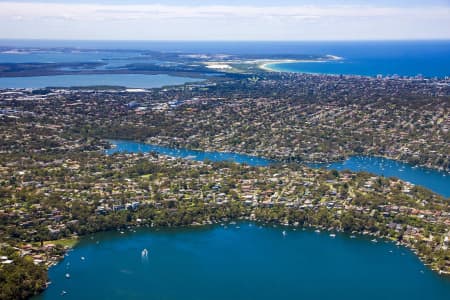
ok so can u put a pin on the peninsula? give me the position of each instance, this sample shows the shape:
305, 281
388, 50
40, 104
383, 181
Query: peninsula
57, 183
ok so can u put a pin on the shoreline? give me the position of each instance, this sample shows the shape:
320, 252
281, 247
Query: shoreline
365, 234
306, 162
266, 65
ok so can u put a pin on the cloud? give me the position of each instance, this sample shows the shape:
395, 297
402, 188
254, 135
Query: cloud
159, 11
159, 21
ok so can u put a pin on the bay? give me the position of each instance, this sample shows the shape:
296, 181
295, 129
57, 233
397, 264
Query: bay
437, 181
372, 58
136, 147
369, 58
242, 261
127, 80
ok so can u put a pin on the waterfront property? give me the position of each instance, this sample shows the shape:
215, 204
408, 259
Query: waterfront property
57, 183
437, 181
136, 147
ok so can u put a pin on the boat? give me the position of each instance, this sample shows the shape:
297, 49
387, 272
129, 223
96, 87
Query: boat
67, 275
144, 253
332, 235
284, 233
352, 236
63, 293
83, 258
374, 241
317, 231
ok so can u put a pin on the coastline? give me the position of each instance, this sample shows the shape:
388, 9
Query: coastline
290, 224
278, 159
267, 65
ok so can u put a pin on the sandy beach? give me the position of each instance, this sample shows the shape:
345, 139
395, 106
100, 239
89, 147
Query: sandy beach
266, 64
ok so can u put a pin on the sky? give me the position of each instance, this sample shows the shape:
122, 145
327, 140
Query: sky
225, 19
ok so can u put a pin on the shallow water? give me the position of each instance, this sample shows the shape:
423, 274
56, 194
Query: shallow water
127, 80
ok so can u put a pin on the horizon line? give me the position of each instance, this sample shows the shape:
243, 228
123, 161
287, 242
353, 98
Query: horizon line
227, 40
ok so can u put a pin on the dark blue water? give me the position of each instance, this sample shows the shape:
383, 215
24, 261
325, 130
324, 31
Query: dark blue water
249, 262
429, 59
127, 80
135, 147
404, 58
436, 181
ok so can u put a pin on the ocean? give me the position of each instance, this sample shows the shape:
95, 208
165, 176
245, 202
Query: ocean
367, 58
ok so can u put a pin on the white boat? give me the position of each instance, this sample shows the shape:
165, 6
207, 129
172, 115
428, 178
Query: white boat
332, 235
317, 231
374, 241
284, 233
83, 258
144, 253
67, 275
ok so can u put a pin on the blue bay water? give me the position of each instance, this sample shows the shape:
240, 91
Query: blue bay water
252, 262
42, 56
367, 67
136, 147
437, 181
408, 58
404, 58
127, 80
243, 261
109, 59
